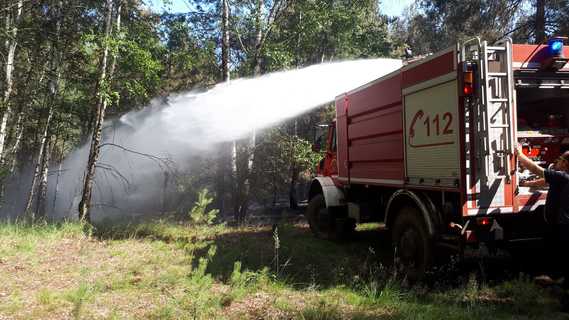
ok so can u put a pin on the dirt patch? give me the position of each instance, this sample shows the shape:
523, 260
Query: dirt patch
257, 306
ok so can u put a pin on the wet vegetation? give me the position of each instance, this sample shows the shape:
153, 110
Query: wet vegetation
174, 270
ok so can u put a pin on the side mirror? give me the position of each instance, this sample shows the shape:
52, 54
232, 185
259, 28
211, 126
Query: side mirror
320, 136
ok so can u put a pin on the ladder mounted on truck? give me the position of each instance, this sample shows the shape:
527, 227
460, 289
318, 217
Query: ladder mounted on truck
492, 118
497, 101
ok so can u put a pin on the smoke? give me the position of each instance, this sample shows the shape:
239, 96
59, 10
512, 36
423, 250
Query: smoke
188, 127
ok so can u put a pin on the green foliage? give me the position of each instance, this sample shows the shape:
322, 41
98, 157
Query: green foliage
152, 269
243, 279
433, 25
199, 214
447, 23
189, 57
316, 31
142, 72
525, 295
280, 155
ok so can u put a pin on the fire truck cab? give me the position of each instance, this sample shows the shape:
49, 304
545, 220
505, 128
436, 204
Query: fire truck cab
429, 149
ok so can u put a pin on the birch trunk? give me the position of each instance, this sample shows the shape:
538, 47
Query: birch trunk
11, 24
234, 180
292, 194
17, 140
164, 199
11, 155
18, 133
43, 143
85, 204
42, 188
54, 92
258, 38
59, 169
224, 159
244, 177
225, 41
42, 161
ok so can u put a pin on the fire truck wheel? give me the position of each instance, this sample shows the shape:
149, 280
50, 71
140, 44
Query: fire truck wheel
319, 218
412, 244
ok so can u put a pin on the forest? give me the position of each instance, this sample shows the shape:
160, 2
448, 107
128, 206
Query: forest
137, 145
70, 67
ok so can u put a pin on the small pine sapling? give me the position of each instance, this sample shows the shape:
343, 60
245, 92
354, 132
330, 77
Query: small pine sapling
199, 214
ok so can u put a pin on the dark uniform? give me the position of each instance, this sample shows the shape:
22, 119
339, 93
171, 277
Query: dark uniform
557, 205
557, 213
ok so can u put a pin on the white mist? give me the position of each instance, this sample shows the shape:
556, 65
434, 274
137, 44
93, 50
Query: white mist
191, 125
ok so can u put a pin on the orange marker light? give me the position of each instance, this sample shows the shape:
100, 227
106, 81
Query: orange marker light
483, 221
468, 82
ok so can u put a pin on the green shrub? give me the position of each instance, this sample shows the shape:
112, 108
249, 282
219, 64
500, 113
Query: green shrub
199, 214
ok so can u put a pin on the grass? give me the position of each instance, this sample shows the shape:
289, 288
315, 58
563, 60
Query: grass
169, 270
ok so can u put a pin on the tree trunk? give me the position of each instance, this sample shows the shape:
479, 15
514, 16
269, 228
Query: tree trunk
224, 159
225, 41
43, 144
42, 162
26, 95
235, 184
59, 169
11, 43
44, 170
118, 30
164, 199
258, 38
54, 92
539, 21
17, 139
292, 194
85, 204
244, 176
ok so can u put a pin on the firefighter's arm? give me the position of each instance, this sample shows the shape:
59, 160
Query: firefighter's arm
529, 164
534, 183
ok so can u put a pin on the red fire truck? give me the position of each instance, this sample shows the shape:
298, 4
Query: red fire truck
428, 149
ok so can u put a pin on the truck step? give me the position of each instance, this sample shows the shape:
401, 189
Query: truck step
497, 74
496, 49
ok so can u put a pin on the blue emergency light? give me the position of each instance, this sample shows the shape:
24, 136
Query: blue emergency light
555, 47
554, 60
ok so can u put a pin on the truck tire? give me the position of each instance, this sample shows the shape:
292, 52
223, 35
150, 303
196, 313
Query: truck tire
412, 244
319, 219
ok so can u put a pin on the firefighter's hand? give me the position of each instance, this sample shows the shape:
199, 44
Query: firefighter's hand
518, 150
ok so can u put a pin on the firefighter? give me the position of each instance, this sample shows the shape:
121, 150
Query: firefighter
556, 210
557, 177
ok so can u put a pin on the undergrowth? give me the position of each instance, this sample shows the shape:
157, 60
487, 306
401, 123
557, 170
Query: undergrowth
177, 270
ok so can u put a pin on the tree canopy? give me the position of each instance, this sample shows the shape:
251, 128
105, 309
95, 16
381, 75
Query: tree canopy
65, 64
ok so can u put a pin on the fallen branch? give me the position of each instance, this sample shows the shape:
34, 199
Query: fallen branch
115, 172
162, 162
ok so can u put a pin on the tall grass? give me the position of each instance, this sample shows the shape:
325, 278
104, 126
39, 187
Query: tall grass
204, 272
22, 238
42, 229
